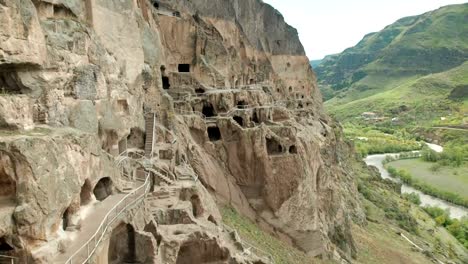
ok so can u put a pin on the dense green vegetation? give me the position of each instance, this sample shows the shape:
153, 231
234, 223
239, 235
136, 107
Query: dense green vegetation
415, 70
409, 179
458, 228
453, 155
389, 212
393, 210
371, 140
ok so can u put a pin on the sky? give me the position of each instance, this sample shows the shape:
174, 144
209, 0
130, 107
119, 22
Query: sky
330, 26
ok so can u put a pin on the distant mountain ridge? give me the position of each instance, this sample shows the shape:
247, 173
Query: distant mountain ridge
315, 63
403, 52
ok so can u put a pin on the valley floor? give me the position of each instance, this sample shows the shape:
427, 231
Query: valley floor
449, 179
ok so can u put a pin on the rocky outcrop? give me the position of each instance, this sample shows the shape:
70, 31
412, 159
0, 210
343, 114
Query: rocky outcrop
236, 104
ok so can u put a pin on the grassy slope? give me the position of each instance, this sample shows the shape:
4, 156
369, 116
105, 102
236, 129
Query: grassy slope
394, 67
281, 252
379, 242
447, 179
427, 97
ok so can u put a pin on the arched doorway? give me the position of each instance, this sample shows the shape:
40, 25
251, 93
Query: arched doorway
103, 189
208, 110
122, 247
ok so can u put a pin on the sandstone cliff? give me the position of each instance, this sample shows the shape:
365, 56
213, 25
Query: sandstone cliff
235, 103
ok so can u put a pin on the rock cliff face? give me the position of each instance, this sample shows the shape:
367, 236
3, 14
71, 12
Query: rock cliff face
236, 104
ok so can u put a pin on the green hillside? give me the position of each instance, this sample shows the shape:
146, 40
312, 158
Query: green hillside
415, 70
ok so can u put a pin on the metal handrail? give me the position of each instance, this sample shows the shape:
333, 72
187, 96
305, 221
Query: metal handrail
250, 246
108, 220
12, 259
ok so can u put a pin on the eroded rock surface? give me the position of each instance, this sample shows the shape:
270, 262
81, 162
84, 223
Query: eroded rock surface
236, 105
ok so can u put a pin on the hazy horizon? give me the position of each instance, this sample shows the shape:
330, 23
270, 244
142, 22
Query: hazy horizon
329, 27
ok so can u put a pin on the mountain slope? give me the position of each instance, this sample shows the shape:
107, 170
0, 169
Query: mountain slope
403, 59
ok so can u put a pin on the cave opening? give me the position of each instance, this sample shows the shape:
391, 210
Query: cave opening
239, 120
251, 81
5, 246
212, 220
197, 208
200, 91
66, 219
290, 89
86, 193
214, 133
255, 118
166, 83
293, 149
10, 83
7, 181
202, 251
273, 147
242, 104
208, 110
136, 138
184, 67
123, 106
155, 4
103, 189
122, 247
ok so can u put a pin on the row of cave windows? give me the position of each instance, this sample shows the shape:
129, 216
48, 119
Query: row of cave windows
273, 147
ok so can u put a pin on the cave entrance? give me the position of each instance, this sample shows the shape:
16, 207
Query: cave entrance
5, 246
155, 4
242, 104
166, 83
208, 110
202, 251
10, 83
273, 147
103, 189
293, 149
251, 81
200, 91
123, 106
184, 67
214, 133
85, 194
197, 208
255, 118
239, 120
7, 182
66, 219
136, 139
122, 247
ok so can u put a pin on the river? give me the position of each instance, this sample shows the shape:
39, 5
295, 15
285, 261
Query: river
426, 200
